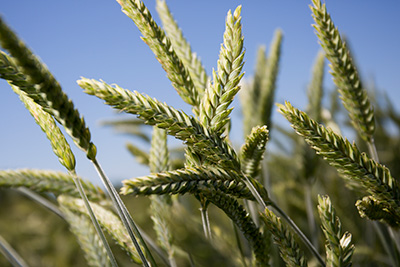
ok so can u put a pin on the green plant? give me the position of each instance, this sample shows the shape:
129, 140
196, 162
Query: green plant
248, 186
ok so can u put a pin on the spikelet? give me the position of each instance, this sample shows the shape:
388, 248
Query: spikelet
315, 89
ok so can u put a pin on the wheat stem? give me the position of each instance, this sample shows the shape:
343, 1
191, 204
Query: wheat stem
125, 217
11, 255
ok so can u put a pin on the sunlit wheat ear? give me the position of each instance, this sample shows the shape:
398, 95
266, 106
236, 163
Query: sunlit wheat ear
344, 72
252, 152
268, 85
374, 209
60, 146
250, 93
82, 227
108, 221
215, 149
48, 93
214, 110
187, 181
182, 48
339, 249
315, 89
243, 221
49, 182
161, 46
357, 167
283, 237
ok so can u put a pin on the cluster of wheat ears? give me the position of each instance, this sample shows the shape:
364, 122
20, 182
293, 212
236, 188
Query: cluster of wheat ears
239, 182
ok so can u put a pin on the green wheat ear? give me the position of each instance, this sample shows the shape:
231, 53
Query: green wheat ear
82, 228
46, 122
214, 110
43, 181
344, 72
27, 72
182, 48
339, 249
252, 152
283, 237
161, 46
371, 208
374, 178
215, 149
108, 221
315, 90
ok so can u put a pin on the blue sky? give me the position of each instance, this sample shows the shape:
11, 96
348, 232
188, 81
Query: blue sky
95, 39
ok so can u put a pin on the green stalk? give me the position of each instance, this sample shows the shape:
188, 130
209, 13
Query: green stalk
125, 217
11, 255
310, 215
206, 222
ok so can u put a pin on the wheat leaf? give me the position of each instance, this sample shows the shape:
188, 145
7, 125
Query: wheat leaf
353, 165
161, 46
252, 152
344, 72
283, 237
339, 249
214, 110
182, 48
49, 181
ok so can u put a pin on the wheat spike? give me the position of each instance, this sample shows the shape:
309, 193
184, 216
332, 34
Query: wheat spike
252, 152
243, 220
46, 122
339, 249
187, 181
283, 237
140, 155
315, 89
353, 165
82, 227
373, 209
48, 93
48, 181
182, 48
268, 85
344, 72
216, 150
161, 46
214, 110
108, 221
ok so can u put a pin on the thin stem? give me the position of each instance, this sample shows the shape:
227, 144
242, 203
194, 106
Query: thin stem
299, 232
11, 255
94, 220
265, 202
206, 222
310, 215
239, 244
125, 217
41, 200
156, 248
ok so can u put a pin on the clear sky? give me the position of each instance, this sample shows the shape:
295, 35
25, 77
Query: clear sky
94, 39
